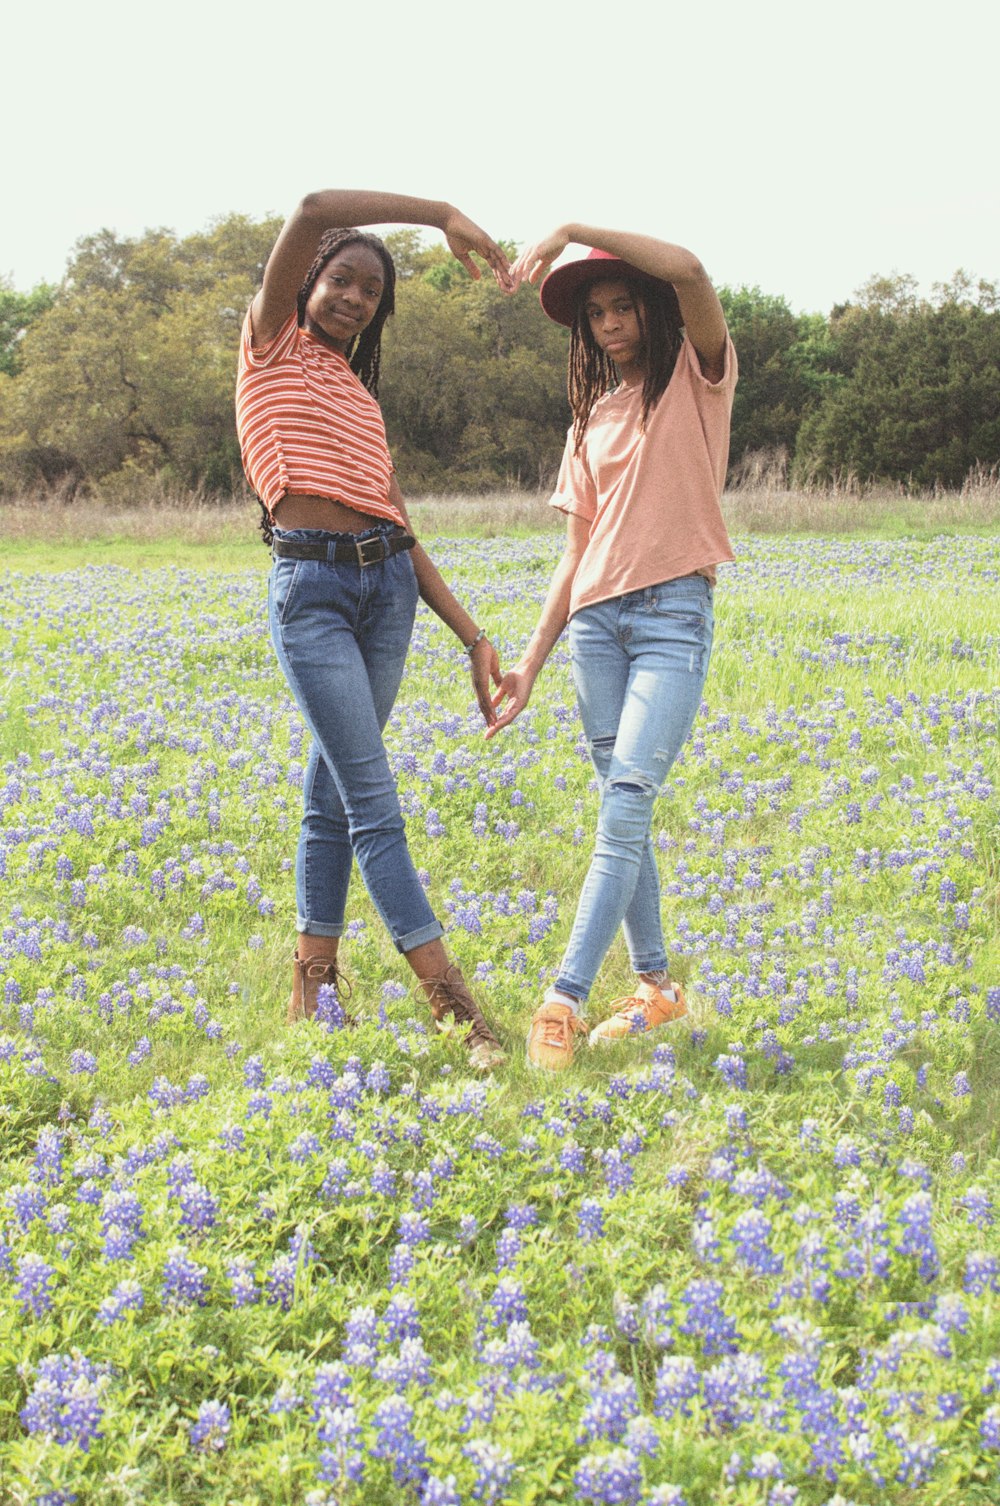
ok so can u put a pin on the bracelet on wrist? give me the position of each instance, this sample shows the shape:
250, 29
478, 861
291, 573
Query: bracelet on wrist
476, 640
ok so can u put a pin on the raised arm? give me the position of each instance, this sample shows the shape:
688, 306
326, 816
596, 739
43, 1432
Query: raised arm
334, 208
701, 311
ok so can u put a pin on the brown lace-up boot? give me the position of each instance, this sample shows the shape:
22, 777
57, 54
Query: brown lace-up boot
452, 1004
308, 976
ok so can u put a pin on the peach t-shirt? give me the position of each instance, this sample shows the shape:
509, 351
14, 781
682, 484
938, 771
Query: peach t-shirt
651, 496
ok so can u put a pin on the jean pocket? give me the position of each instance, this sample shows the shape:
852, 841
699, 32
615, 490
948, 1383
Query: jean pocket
679, 632
405, 578
284, 575
691, 607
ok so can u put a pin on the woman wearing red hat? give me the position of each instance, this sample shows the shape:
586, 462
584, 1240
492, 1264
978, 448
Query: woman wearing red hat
651, 376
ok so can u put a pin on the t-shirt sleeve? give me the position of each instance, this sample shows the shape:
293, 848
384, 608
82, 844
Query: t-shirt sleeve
575, 490
275, 350
727, 382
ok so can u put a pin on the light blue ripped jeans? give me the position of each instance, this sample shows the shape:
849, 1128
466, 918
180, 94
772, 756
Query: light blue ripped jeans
639, 663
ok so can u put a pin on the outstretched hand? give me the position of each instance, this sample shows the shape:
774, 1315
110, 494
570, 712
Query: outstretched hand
515, 689
485, 666
535, 261
464, 237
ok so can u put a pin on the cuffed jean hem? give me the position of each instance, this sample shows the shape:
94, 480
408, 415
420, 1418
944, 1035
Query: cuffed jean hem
317, 927
409, 943
573, 990
656, 964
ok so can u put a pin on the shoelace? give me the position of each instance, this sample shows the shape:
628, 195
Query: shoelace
557, 1031
446, 996
632, 1005
480, 1034
324, 970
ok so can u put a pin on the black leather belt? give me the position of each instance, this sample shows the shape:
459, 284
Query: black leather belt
370, 551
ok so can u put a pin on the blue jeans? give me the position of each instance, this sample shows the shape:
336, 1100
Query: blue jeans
341, 633
639, 663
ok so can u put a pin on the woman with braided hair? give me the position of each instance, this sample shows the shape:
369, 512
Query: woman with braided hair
651, 376
347, 572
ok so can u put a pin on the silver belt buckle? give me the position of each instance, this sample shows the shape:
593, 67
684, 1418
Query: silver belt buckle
376, 545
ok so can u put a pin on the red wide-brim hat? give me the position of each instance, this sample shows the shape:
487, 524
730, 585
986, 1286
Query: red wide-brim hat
560, 290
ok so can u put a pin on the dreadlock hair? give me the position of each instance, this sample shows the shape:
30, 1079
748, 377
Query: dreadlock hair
592, 373
364, 354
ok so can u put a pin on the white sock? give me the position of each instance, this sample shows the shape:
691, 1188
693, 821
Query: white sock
555, 996
663, 983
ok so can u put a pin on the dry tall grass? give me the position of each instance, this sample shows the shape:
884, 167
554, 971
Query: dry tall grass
760, 500
158, 513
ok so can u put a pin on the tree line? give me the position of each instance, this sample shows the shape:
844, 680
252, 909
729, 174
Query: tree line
124, 371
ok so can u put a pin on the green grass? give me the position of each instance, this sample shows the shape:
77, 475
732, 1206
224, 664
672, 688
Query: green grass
844, 674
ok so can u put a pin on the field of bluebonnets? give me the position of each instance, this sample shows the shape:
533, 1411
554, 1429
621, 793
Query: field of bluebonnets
753, 1260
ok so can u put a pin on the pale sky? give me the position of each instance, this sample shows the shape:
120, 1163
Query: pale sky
801, 147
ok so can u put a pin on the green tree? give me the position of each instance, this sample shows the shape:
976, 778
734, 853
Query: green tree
79, 393
782, 358
188, 384
129, 368
473, 386
918, 400
18, 312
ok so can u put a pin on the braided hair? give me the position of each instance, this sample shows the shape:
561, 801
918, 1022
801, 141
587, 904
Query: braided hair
592, 373
364, 354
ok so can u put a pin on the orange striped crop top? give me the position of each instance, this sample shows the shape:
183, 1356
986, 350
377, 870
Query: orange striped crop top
307, 425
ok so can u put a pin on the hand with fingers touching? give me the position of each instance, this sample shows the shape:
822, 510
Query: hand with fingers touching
485, 667
515, 688
534, 261
464, 237
516, 685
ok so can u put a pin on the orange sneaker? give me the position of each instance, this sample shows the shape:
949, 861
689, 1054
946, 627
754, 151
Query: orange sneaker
550, 1038
644, 1010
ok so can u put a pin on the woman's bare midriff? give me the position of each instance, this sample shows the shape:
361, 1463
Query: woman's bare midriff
295, 511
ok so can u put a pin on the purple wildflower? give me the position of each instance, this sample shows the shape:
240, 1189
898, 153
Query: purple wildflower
64, 1403
494, 1471
918, 1237
610, 1409
989, 1428
613, 1479
396, 1441
199, 1209
341, 1460
706, 1319
34, 1278
126, 1297
331, 1387
185, 1283
211, 1429
590, 1221
438, 1492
